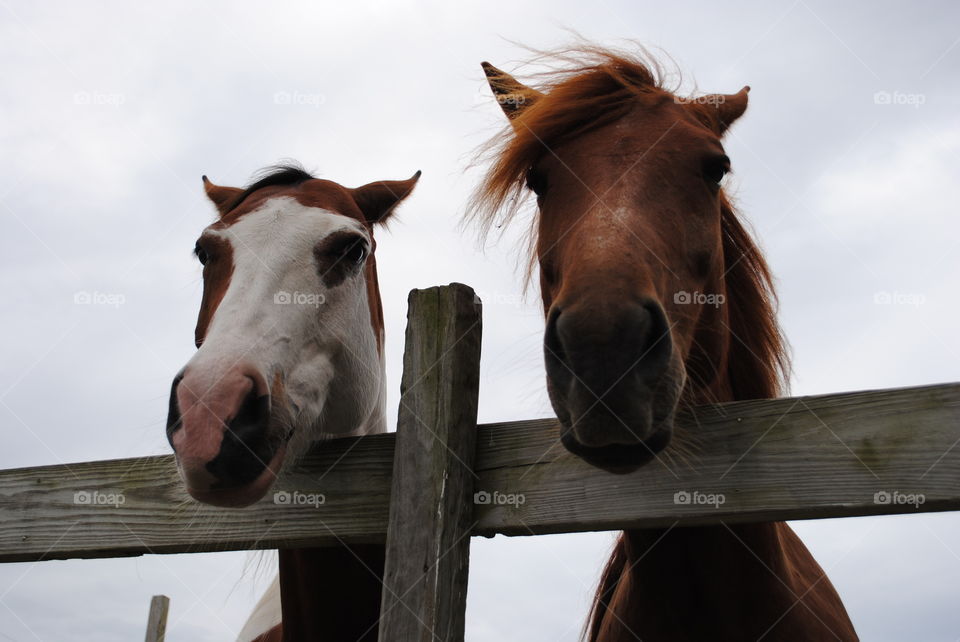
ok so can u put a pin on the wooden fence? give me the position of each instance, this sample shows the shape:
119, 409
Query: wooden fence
157, 619
440, 478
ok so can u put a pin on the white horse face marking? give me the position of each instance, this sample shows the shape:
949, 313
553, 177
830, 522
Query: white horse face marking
289, 333
281, 315
279, 341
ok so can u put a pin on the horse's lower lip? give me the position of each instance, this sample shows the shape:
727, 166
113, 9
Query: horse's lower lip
620, 458
242, 496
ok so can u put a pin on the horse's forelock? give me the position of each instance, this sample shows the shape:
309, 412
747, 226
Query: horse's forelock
586, 87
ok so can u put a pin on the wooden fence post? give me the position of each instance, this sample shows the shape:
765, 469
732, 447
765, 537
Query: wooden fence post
431, 507
157, 619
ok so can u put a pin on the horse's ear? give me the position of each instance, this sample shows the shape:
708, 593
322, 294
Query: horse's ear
377, 200
731, 107
221, 196
512, 95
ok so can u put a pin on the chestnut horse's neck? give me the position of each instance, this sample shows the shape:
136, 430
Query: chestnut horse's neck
729, 582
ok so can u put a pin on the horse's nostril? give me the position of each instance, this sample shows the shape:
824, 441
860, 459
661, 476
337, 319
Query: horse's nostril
252, 417
610, 341
606, 365
552, 343
173, 410
247, 447
655, 346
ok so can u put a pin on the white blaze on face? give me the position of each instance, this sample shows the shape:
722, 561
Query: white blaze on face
278, 317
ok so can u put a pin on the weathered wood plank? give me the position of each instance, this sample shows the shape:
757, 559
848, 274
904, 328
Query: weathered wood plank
42, 517
794, 458
431, 507
157, 619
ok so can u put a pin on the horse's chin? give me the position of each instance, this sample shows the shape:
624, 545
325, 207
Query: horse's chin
240, 496
621, 458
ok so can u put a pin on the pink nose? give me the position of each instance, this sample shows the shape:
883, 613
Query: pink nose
219, 427
205, 412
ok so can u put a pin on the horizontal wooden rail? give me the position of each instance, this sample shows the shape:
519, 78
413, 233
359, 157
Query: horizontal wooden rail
861, 453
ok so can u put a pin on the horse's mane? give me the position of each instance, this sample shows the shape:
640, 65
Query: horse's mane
287, 173
758, 362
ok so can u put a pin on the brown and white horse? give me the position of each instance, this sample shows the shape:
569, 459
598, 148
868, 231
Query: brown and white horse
656, 299
290, 352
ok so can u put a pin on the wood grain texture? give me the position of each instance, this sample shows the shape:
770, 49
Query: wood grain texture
41, 517
157, 619
792, 458
862, 453
431, 507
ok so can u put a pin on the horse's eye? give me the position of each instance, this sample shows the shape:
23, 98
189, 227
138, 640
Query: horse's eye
201, 254
536, 182
343, 250
714, 169
355, 252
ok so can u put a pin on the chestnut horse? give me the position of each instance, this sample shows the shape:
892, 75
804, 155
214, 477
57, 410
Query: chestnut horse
655, 296
290, 351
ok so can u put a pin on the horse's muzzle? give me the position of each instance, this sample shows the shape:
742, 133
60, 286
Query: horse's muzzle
220, 429
611, 376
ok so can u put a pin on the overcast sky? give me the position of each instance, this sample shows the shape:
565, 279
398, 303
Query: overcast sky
111, 112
